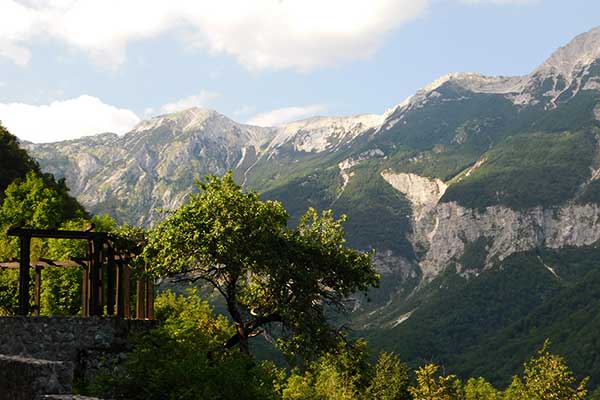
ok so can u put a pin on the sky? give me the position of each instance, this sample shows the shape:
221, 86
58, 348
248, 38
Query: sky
70, 68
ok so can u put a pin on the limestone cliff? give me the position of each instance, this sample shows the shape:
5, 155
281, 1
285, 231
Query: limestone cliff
448, 228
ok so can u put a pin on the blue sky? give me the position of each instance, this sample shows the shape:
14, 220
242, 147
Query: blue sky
70, 68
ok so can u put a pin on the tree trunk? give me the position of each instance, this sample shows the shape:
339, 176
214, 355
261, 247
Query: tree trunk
244, 345
232, 307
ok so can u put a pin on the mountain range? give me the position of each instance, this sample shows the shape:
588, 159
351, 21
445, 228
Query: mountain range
480, 196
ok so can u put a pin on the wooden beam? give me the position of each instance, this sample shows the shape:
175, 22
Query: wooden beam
74, 262
25, 242
45, 264
56, 234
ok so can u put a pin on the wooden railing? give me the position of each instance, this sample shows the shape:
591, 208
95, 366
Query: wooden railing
106, 277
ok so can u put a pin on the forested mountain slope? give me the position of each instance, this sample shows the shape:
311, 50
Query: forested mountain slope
479, 194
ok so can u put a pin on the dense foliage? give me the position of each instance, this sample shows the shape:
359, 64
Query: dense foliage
177, 361
265, 271
14, 161
36, 200
33, 203
490, 325
527, 171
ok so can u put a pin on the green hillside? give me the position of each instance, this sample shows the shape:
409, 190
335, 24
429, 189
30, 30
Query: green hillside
14, 161
487, 326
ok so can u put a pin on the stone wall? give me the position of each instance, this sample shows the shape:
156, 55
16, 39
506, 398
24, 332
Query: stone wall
24, 378
43, 355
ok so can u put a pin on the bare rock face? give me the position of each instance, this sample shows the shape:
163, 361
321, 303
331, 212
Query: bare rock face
389, 264
323, 133
447, 228
442, 231
423, 193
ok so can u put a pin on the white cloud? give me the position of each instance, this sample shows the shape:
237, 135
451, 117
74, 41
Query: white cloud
260, 34
17, 54
500, 2
300, 34
68, 119
200, 100
288, 114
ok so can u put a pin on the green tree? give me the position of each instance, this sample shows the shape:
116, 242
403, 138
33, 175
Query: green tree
342, 373
31, 203
14, 161
547, 377
174, 361
480, 389
390, 379
515, 391
432, 386
266, 272
35, 203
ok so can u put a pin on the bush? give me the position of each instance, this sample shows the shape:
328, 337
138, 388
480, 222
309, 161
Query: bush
183, 359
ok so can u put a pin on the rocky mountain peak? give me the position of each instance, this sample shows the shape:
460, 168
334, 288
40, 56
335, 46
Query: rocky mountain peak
567, 64
183, 120
580, 52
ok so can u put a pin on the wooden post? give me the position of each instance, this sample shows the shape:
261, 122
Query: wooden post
96, 260
120, 289
110, 276
140, 296
149, 298
101, 271
38, 290
85, 290
127, 292
25, 242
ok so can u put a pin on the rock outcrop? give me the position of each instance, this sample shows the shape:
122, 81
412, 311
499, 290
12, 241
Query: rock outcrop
423, 193
448, 227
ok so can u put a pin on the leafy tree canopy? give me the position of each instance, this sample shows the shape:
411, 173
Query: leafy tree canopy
265, 271
14, 161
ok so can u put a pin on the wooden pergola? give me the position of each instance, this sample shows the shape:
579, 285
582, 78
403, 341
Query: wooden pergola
105, 262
